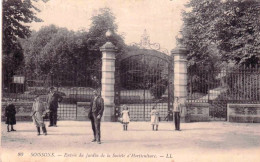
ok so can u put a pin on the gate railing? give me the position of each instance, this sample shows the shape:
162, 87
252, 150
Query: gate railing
234, 85
220, 87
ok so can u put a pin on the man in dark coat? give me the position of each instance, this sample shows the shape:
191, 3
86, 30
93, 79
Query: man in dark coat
10, 115
95, 114
52, 102
177, 109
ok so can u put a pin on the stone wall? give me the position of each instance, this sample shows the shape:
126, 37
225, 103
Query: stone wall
243, 113
198, 112
23, 110
83, 110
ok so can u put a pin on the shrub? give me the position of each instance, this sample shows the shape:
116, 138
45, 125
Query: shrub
157, 90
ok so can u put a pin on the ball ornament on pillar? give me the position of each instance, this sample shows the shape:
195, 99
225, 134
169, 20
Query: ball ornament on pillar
180, 49
109, 33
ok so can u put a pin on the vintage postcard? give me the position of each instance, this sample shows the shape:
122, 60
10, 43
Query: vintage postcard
130, 80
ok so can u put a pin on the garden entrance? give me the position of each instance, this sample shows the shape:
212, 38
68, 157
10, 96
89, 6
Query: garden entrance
145, 82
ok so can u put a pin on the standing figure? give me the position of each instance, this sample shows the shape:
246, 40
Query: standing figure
10, 115
177, 110
155, 118
52, 103
95, 114
38, 112
125, 117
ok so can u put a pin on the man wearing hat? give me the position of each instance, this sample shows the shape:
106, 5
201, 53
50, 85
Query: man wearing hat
95, 114
52, 103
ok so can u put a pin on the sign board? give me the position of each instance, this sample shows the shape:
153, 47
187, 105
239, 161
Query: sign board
18, 79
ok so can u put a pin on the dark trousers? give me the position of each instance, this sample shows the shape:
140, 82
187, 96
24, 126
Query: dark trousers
177, 120
53, 117
95, 123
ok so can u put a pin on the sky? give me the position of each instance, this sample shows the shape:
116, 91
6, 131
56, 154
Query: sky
161, 18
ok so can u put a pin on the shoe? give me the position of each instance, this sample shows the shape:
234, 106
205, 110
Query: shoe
38, 134
13, 130
45, 133
55, 125
50, 125
94, 140
98, 142
8, 131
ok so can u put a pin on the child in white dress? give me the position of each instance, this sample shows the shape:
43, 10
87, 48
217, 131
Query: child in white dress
155, 118
125, 117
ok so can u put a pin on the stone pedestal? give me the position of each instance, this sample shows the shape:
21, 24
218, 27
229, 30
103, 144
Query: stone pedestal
243, 113
83, 111
108, 80
180, 78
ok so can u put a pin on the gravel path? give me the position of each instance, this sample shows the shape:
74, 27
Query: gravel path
205, 141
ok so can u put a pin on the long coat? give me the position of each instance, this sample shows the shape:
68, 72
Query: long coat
37, 111
10, 114
52, 101
96, 108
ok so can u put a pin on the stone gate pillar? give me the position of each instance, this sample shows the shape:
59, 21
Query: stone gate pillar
108, 80
179, 55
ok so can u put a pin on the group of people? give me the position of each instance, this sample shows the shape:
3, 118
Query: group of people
40, 111
177, 109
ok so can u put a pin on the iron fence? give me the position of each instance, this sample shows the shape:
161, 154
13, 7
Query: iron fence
220, 87
234, 85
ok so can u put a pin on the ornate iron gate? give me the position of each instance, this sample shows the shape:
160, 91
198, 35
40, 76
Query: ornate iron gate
145, 82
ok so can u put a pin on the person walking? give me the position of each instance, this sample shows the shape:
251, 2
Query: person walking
38, 112
95, 115
177, 109
155, 118
52, 103
125, 117
10, 115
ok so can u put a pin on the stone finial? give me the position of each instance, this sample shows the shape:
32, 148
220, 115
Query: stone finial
179, 50
108, 46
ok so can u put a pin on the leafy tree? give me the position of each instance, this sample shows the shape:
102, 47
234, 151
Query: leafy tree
102, 21
218, 34
33, 47
61, 56
199, 34
15, 15
216, 31
238, 32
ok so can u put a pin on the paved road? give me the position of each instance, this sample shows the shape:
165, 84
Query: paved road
205, 141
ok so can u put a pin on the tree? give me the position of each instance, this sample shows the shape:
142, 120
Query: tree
238, 32
62, 55
219, 34
215, 31
16, 14
102, 21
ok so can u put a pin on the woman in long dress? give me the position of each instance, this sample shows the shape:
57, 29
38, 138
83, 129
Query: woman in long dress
10, 115
155, 118
38, 112
125, 117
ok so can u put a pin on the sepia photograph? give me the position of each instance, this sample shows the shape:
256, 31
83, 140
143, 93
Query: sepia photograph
130, 80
